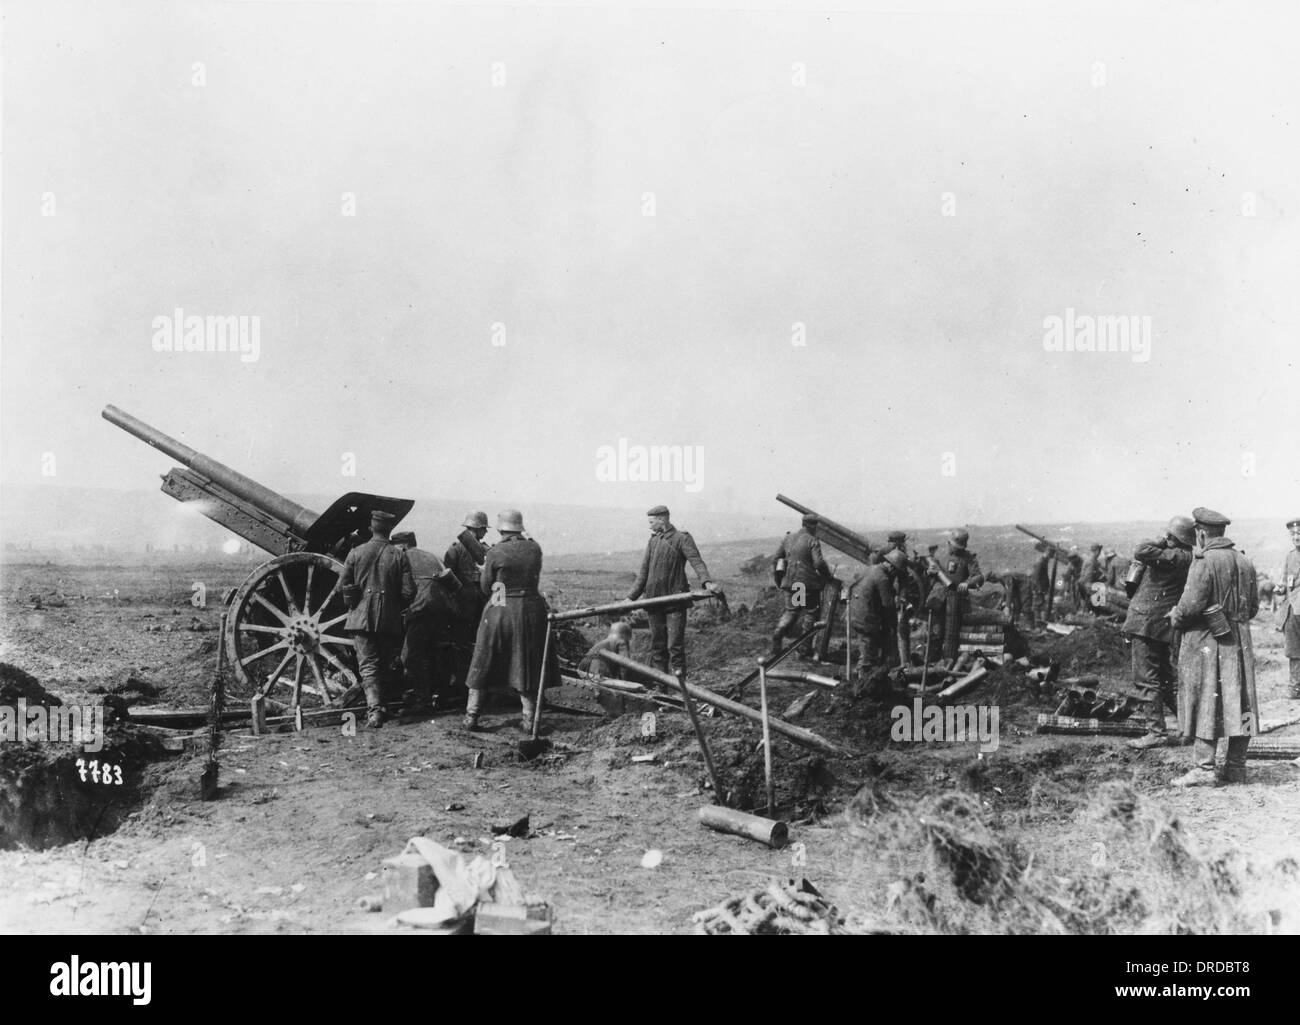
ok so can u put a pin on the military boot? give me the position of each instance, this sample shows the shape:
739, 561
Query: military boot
374, 711
1234, 766
1295, 679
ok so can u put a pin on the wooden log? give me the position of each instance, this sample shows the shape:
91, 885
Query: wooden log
800, 736
618, 608
727, 820
183, 718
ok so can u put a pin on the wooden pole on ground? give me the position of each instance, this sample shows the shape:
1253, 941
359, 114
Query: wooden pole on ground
796, 734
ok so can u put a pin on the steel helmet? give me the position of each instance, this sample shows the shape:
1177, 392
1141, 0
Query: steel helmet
511, 520
476, 519
896, 559
1181, 528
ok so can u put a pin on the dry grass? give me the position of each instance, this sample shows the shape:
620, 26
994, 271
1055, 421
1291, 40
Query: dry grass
957, 873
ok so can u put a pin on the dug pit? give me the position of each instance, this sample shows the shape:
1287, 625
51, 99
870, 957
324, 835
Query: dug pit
53, 792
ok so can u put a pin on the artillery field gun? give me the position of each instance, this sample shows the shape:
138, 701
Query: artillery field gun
284, 622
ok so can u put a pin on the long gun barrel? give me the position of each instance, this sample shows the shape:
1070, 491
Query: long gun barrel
1053, 546
295, 516
834, 534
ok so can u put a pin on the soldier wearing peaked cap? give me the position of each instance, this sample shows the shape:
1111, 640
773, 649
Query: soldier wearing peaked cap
376, 584
663, 571
426, 647
1291, 616
896, 540
800, 570
1216, 661
512, 633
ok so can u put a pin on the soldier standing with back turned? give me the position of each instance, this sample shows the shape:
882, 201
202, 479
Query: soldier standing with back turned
376, 584
1151, 636
801, 572
512, 633
465, 558
428, 623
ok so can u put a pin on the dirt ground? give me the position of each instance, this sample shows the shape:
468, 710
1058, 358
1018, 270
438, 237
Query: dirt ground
304, 820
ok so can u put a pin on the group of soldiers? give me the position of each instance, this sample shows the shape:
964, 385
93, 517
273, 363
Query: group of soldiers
882, 598
476, 620
414, 618
1193, 596
1188, 626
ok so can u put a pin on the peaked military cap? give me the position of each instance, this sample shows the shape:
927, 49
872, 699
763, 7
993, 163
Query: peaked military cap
404, 537
658, 510
1209, 518
384, 519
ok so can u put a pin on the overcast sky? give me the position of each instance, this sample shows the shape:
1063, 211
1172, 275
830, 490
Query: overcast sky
918, 187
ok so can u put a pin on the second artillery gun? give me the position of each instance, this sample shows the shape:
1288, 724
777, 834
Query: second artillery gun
284, 624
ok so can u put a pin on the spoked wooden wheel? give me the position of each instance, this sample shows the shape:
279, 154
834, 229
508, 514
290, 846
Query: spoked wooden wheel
285, 629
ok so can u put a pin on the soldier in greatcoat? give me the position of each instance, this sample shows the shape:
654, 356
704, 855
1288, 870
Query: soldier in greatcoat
1152, 639
512, 633
376, 585
1291, 600
1216, 693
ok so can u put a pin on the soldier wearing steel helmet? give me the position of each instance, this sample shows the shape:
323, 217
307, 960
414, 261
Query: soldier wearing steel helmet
800, 570
465, 558
1216, 660
1152, 639
512, 633
873, 611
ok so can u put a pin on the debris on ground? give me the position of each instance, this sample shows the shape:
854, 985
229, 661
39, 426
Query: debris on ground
778, 909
